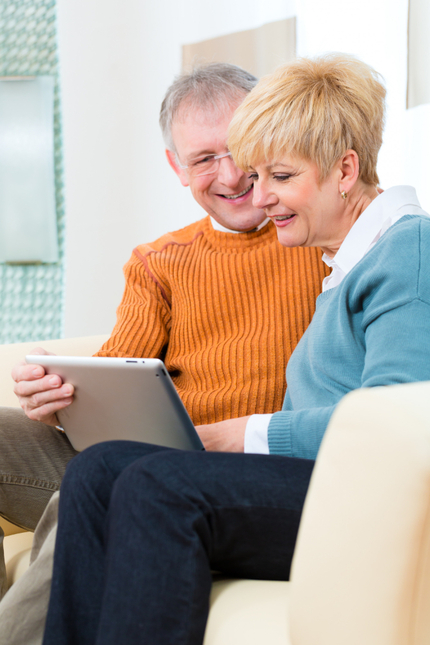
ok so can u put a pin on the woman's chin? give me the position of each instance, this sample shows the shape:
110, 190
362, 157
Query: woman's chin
289, 238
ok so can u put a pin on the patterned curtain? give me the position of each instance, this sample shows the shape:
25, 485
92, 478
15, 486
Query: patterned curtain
31, 297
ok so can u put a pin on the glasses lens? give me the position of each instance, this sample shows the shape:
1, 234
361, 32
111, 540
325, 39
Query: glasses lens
204, 166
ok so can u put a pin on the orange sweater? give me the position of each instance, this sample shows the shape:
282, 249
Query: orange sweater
224, 311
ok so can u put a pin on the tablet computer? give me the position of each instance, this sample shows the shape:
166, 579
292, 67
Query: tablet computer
121, 398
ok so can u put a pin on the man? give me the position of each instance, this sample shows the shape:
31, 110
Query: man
220, 301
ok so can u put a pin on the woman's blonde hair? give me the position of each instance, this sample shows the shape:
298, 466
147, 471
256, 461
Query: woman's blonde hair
316, 109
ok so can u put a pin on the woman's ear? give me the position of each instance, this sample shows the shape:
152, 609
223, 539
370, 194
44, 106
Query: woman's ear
183, 177
349, 169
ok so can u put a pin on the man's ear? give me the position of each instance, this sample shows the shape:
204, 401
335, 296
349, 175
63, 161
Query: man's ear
349, 170
171, 158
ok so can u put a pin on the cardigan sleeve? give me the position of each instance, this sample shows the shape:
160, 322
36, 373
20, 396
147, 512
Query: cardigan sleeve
398, 346
397, 351
298, 433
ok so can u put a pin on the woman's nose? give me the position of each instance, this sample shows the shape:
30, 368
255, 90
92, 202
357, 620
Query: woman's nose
263, 197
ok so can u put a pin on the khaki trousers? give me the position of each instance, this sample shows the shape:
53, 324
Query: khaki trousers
33, 458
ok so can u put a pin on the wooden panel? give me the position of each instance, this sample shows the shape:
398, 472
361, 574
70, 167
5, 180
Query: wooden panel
259, 51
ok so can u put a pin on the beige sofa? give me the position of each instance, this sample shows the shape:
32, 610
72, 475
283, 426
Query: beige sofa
361, 571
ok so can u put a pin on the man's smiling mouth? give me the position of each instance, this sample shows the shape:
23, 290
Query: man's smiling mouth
247, 189
282, 218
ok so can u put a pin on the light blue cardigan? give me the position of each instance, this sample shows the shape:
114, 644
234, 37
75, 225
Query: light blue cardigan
372, 329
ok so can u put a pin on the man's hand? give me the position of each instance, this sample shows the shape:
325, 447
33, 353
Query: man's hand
40, 395
224, 436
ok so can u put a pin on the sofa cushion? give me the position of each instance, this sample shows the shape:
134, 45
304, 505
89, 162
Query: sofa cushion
248, 611
17, 550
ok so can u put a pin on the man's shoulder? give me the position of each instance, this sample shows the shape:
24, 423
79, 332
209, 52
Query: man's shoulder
182, 237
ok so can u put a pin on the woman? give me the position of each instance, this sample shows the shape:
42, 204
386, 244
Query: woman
141, 527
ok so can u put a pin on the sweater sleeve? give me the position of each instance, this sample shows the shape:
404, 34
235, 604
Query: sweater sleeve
143, 317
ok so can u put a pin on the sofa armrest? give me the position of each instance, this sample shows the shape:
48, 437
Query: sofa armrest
12, 354
361, 570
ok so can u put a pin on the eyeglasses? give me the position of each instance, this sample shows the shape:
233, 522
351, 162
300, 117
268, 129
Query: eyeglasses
203, 165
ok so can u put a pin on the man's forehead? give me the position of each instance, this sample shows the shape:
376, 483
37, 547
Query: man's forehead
196, 136
197, 129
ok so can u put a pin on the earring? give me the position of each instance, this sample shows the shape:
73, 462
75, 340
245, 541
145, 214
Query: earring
343, 194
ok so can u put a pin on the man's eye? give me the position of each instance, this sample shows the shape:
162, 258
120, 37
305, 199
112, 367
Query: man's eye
198, 162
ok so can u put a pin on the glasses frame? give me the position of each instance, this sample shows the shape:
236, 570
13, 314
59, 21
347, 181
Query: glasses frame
210, 172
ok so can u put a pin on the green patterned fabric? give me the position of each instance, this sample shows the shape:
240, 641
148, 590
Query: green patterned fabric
31, 297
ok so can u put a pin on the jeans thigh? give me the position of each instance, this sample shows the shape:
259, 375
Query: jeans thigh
93, 473
33, 459
248, 507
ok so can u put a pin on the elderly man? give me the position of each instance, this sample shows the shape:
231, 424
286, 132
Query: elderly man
220, 301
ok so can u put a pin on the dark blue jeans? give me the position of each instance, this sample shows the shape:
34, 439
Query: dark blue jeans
141, 528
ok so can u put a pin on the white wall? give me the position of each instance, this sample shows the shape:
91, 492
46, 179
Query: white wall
376, 32
117, 59
113, 154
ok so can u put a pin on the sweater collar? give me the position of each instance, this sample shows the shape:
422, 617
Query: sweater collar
243, 243
223, 229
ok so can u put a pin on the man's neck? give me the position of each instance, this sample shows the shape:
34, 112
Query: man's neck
219, 227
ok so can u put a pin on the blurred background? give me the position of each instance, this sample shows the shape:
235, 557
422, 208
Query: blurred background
111, 63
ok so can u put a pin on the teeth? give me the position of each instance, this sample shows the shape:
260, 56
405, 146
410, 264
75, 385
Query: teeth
239, 194
281, 218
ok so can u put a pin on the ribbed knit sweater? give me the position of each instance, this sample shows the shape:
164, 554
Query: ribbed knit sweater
373, 329
224, 311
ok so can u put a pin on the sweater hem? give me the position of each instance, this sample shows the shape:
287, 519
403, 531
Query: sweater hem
279, 434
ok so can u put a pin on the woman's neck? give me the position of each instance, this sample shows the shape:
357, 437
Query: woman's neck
358, 199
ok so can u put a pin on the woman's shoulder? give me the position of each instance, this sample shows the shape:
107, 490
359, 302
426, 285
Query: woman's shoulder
405, 241
407, 230
397, 269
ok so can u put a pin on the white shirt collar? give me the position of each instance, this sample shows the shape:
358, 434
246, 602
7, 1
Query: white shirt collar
382, 212
219, 227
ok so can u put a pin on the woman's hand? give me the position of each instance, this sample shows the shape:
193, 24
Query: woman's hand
224, 436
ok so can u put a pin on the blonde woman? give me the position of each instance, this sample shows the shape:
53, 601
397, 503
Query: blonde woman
141, 527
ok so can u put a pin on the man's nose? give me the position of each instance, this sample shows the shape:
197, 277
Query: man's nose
262, 196
228, 173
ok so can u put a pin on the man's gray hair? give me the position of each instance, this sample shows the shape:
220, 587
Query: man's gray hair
211, 86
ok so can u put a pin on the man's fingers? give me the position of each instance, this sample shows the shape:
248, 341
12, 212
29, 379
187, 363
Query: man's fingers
26, 372
46, 413
39, 351
37, 393
28, 387
40, 395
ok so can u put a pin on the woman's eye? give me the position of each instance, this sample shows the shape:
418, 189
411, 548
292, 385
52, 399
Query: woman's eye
253, 176
281, 177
